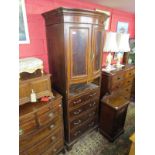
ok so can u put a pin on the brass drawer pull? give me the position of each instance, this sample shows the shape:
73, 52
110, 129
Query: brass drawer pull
91, 105
78, 101
92, 95
76, 133
52, 126
51, 114
78, 122
77, 112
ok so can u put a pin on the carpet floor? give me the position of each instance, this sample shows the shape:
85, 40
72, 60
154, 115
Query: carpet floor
95, 144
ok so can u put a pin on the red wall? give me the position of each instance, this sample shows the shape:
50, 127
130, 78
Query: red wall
36, 26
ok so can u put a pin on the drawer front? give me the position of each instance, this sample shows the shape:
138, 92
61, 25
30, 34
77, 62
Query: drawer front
126, 92
81, 110
128, 81
43, 145
116, 86
47, 114
27, 124
29, 141
117, 78
55, 148
82, 119
80, 100
79, 131
130, 73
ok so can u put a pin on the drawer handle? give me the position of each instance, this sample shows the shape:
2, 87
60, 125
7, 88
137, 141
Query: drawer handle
128, 81
130, 73
118, 78
77, 112
51, 114
91, 124
92, 95
76, 133
91, 105
78, 101
91, 114
127, 89
53, 138
59, 105
52, 126
78, 122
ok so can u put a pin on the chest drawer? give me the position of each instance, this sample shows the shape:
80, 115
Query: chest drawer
41, 134
83, 118
27, 124
117, 78
84, 108
85, 98
128, 81
129, 73
43, 145
79, 131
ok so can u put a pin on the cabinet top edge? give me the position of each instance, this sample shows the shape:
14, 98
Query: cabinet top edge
62, 10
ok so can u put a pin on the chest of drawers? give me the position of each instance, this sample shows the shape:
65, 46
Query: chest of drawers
118, 81
41, 127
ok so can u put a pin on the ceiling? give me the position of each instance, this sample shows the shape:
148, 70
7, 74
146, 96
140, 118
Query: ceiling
125, 5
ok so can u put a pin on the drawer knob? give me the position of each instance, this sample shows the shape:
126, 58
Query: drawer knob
59, 105
51, 114
78, 101
54, 150
53, 138
78, 122
77, 112
52, 126
118, 78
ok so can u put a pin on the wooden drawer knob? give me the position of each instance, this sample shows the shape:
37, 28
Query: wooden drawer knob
53, 138
92, 104
54, 150
52, 126
92, 95
51, 114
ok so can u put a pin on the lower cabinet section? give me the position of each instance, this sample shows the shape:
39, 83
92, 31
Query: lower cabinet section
41, 127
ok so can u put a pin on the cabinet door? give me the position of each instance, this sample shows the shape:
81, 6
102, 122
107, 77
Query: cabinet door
97, 48
78, 38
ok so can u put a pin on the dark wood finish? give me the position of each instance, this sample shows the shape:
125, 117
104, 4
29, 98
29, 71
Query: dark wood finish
112, 116
41, 86
75, 39
41, 127
118, 81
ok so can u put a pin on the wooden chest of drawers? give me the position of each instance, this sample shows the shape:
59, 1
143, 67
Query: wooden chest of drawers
118, 81
82, 115
41, 127
41, 86
112, 116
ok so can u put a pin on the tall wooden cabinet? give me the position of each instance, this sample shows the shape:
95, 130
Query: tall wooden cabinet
75, 39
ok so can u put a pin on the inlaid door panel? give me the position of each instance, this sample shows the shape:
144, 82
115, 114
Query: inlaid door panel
97, 48
78, 49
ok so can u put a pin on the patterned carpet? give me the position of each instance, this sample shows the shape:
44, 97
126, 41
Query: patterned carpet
95, 144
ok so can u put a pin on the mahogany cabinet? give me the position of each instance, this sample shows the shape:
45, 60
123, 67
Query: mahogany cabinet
41, 127
75, 39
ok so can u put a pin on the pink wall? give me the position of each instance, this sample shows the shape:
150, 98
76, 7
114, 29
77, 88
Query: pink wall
36, 26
